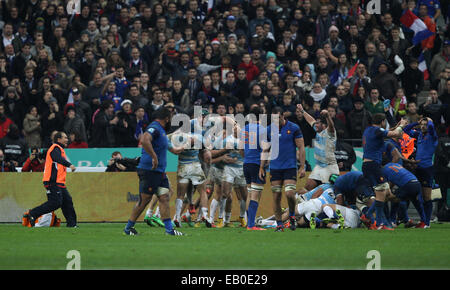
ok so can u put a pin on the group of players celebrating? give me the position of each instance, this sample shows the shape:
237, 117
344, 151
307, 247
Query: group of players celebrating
217, 154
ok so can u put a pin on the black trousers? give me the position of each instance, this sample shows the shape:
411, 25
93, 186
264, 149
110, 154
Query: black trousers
57, 197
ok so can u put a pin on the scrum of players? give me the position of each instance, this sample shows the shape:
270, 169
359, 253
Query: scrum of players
230, 156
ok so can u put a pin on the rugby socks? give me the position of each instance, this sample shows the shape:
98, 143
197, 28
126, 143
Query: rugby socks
149, 212
379, 211
213, 207
205, 212
157, 213
227, 217
394, 210
242, 205
418, 204
168, 225
370, 211
252, 209
222, 204
428, 209
280, 224
403, 206
129, 225
178, 207
329, 212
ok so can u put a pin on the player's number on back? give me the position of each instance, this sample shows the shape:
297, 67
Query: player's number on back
375, 262
75, 262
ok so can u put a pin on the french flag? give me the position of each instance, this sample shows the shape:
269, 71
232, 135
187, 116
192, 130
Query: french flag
210, 5
423, 67
414, 23
351, 72
334, 78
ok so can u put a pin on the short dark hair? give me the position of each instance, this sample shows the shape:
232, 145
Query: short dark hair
378, 118
57, 136
162, 113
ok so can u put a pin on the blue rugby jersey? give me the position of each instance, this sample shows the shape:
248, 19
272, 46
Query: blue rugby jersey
395, 173
252, 147
426, 144
160, 145
348, 182
373, 141
287, 156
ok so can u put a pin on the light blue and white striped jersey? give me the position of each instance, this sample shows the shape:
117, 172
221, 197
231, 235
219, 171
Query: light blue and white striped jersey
327, 197
325, 186
232, 142
324, 147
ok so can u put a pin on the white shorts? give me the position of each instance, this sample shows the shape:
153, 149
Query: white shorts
191, 172
323, 173
215, 175
351, 216
308, 207
234, 175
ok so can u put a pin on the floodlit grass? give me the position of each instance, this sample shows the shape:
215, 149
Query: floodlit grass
103, 246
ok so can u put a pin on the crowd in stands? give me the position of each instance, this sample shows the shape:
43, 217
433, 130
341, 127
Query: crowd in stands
98, 70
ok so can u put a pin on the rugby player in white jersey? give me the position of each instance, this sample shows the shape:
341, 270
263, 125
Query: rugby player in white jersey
324, 147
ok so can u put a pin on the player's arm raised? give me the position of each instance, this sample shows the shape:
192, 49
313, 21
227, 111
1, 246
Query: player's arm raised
330, 123
307, 116
398, 131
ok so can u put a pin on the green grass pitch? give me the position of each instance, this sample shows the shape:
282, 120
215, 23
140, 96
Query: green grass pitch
103, 246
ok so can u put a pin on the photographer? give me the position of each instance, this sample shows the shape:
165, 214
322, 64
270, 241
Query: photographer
6, 166
36, 161
119, 164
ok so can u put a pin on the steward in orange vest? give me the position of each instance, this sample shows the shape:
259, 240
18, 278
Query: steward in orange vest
55, 182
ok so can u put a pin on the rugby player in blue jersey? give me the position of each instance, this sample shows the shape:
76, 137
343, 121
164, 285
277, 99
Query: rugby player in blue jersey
408, 188
250, 136
151, 172
427, 141
373, 144
284, 142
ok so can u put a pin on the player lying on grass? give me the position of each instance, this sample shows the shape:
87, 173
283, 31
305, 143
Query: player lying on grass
337, 217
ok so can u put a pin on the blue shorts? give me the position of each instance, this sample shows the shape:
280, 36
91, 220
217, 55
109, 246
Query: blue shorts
425, 176
363, 188
409, 191
251, 174
283, 174
372, 171
150, 181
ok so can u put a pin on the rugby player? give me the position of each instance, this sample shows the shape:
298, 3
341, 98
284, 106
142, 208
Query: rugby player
283, 164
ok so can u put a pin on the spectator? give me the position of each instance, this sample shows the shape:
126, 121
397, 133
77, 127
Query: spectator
432, 108
411, 113
103, 124
73, 122
385, 82
76, 140
6, 166
14, 106
36, 161
126, 126
52, 120
32, 128
412, 80
358, 119
5, 122
14, 147
374, 105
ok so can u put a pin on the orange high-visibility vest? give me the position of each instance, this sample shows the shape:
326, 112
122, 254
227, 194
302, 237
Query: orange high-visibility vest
407, 144
54, 173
